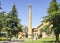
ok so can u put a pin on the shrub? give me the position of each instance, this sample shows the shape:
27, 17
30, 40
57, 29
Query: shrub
4, 39
38, 36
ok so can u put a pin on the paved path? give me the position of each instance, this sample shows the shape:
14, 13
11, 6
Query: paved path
14, 41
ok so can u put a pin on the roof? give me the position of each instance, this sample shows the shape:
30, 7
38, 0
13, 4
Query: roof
40, 25
34, 30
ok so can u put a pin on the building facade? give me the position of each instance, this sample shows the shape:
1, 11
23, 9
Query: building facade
39, 31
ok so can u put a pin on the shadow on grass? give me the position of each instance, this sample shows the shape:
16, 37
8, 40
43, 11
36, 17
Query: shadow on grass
50, 42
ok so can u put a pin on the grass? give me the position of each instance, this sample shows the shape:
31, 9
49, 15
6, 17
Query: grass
43, 40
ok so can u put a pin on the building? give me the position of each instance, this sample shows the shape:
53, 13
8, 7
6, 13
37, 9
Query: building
21, 35
39, 31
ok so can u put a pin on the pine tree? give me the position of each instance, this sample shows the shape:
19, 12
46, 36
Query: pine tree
2, 19
13, 20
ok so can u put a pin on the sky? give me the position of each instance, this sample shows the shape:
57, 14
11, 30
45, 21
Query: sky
39, 9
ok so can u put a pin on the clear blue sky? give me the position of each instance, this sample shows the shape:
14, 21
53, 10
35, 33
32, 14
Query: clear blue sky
39, 9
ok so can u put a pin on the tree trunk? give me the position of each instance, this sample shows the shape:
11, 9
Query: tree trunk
57, 37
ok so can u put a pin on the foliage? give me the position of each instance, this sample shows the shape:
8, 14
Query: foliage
2, 21
5, 39
39, 37
25, 30
53, 17
13, 21
10, 22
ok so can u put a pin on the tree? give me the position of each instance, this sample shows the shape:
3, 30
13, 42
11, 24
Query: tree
13, 20
25, 30
2, 21
53, 17
20, 27
54, 0
10, 22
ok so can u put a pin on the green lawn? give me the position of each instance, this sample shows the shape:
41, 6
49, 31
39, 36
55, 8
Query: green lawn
44, 40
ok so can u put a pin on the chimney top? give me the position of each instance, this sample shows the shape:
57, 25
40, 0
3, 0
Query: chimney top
30, 4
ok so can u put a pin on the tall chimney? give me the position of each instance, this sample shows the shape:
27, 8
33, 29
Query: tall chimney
29, 21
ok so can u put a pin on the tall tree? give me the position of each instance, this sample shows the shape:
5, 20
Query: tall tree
54, 15
13, 20
2, 19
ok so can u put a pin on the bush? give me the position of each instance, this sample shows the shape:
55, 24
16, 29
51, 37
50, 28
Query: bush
4, 39
38, 36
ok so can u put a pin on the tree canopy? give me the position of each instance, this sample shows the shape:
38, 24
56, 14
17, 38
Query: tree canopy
10, 22
53, 17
